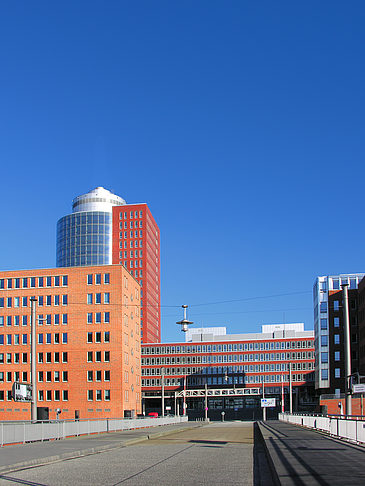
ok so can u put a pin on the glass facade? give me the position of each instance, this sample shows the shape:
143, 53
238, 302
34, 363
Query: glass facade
84, 238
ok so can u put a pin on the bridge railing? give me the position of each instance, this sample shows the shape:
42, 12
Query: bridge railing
352, 428
22, 432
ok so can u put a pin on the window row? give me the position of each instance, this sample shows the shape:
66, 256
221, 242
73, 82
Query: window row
57, 319
97, 298
47, 357
12, 376
95, 337
98, 375
98, 394
33, 282
219, 348
23, 320
15, 339
96, 356
136, 234
96, 317
47, 338
219, 370
124, 215
98, 278
258, 379
50, 395
9, 358
132, 224
230, 358
50, 376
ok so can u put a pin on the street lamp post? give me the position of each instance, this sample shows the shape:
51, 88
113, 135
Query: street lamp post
290, 391
33, 355
346, 326
263, 396
163, 390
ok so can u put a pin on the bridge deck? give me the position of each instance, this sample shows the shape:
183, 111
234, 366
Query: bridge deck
300, 456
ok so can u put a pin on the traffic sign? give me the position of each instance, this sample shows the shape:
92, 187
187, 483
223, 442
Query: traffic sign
268, 402
360, 388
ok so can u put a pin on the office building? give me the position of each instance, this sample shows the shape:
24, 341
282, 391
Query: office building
329, 331
241, 362
88, 341
136, 246
103, 229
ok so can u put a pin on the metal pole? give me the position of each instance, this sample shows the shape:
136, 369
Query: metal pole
282, 394
163, 390
184, 403
206, 401
33, 356
290, 391
346, 326
263, 396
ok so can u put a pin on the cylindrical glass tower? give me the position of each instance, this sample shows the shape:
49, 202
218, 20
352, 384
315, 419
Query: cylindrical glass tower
85, 236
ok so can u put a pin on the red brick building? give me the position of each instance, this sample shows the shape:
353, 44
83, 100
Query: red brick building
136, 246
88, 341
238, 361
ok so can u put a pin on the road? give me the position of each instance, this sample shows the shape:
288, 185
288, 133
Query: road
218, 453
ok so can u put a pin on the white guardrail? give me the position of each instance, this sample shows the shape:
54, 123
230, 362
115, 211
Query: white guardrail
22, 432
340, 427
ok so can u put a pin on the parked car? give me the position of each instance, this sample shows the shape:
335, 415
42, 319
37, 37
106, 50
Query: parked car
153, 415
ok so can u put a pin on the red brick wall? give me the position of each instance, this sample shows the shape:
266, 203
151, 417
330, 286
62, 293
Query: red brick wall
124, 329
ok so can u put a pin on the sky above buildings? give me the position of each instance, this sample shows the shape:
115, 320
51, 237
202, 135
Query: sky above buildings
241, 124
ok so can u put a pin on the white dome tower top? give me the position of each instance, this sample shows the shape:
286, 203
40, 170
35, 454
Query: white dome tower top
98, 199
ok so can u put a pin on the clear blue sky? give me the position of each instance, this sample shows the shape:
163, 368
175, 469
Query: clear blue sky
240, 123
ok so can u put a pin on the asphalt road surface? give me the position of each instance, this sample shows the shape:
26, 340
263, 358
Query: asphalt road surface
218, 453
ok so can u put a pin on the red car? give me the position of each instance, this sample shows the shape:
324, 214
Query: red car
153, 414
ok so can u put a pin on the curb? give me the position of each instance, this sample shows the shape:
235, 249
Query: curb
270, 461
87, 452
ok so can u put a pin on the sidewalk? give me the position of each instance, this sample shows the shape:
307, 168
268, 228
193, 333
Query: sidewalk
299, 456
36, 453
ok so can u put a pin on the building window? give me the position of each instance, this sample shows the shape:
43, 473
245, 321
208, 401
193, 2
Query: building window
324, 340
337, 373
106, 278
106, 298
336, 322
323, 324
324, 374
90, 395
337, 355
65, 395
324, 357
106, 317
106, 395
65, 280
337, 339
98, 279
64, 357
89, 317
336, 305
89, 356
89, 337
97, 298
89, 279
89, 298
90, 375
